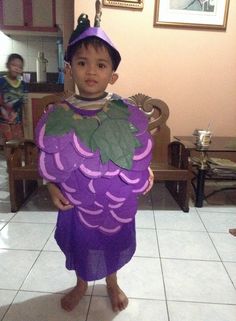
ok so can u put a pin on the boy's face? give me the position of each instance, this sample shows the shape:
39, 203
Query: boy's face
92, 71
15, 68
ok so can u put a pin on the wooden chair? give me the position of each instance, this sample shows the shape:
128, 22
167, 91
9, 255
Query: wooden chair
22, 171
169, 164
22, 159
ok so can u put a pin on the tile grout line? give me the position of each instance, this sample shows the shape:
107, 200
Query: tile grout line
222, 262
90, 302
162, 273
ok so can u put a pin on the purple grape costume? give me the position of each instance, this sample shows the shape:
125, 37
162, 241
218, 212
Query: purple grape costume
99, 159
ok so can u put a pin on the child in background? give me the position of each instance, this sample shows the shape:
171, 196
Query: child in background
95, 155
12, 99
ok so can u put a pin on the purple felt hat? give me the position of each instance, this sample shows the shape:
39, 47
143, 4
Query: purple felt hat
98, 33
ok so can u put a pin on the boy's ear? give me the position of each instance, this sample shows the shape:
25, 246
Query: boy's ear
114, 78
68, 70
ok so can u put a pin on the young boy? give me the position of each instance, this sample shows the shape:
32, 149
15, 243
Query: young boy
95, 151
12, 99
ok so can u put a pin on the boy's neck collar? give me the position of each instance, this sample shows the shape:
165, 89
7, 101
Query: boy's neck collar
13, 82
91, 99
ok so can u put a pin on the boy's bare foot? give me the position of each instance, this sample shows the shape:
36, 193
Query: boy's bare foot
71, 299
119, 300
232, 231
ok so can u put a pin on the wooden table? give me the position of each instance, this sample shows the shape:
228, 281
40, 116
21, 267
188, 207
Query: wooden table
218, 144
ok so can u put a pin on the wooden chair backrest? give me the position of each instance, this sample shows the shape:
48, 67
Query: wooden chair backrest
157, 112
42, 104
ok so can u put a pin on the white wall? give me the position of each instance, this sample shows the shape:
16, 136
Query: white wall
28, 48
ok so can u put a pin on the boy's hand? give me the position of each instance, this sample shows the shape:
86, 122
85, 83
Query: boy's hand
151, 181
58, 198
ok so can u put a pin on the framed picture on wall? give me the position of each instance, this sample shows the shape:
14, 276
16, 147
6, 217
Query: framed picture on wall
191, 13
133, 4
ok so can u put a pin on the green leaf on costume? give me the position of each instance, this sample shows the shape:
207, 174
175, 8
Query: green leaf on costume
59, 122
117, 109
110, 131
116, 142
102, 116
85, 128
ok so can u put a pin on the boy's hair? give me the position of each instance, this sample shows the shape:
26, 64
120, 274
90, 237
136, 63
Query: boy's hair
14, 56
96, 43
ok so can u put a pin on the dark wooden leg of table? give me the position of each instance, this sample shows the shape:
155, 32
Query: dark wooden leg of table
200, 187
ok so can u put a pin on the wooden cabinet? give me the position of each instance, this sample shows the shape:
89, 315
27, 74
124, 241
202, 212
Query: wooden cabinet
28, 16
12, 17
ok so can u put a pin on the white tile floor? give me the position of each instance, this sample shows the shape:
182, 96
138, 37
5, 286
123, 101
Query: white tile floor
184, 268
